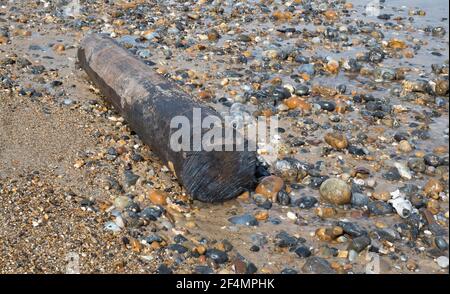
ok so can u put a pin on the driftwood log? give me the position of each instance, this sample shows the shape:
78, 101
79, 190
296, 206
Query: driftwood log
148, 102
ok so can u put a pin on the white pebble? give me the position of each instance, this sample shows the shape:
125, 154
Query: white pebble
442, 261
291, 215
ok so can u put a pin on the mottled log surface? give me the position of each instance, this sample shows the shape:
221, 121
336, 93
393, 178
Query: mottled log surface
148, 102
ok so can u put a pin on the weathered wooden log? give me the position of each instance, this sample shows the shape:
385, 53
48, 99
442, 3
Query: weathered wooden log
148, 102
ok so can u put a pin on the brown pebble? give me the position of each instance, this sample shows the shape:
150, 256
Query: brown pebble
433, 187
396, 44
331, 15
158, 197
3, 40
411, 265
269, 187
200, 249
262, 215
325, 212
59, 48
335, 191
336, 140
383, 195
433, 206
136, 246
240, 267
404, 146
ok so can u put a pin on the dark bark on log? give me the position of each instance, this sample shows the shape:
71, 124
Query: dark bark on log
148, 102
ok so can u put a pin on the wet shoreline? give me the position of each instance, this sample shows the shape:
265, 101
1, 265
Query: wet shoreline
361, 99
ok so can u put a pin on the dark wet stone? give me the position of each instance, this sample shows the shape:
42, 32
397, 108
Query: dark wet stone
6, 82
421, 134
303, 252
280, 93
283, 198
354, 65
217, 256
376, 55
316, 182
56, 83
302, 59
86, 203
295, 141
203, 270
378, 114
286, 30
417, 165
251, 268
245, 219
359, 200
289, 271
359, 243
133, 207
341, 88
358, 98
274, 220
179, 239
283, 239
258, 239
441, 243
152, 238
30, 92
352, 229
306, 202
388, 234
178, 248
114, 184
384, 16
243, 38
130, 178
254, 248
136, 157
262, 202
307, 68
164, 270
432, 160
418, 201
438, 31
392, 174
227, 246
380, 208
327, 105
359, 151
445, 161
313, 172
302, 90
151, 213
409, 189
37, 69
400, 136
112, 151
22, 62
317, 265
7, 61
357, 188
437, 229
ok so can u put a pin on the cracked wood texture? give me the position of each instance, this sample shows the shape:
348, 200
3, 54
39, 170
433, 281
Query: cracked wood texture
148, 102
